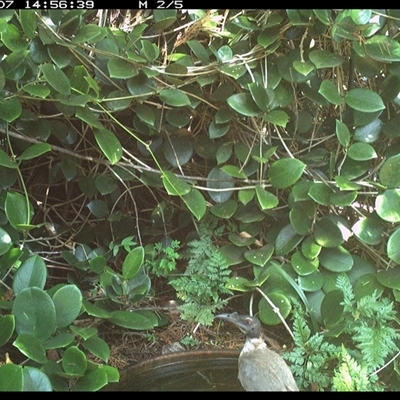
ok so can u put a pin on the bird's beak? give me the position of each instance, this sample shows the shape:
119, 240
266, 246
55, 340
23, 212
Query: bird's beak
234, 317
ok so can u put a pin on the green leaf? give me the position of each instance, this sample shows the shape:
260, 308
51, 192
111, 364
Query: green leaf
133, 263
56, 78
196, 203
285, 172
364, 100
98, 208
28, 22
368, 133
131, 320
94, 380
5, 160
18, 210
34, 151
7, 325
30, 346
327, 233
12, 38
11, 378
300, 218
31, 273
109, 145
10, 109
277, 117
361, 152
178, 151
268, 315
260, 95
389, 278
342, 133
266, 200
259, 256
309, 248
302, 265
383, 48
199, 51
74, 362
393, 246
59, 341
106, 184
303, 67
325, 59
233, 170
286, 240
174, 185
244, 104
224, 210
336, 259
369, 230
224, 53
36, 380
164, 18
34, 313
146, 114
389, 172
89, 117
330, 91
37, 89
323, 16
121, 69
320, 193
219, 184
68, 304
5, 242
95, 311
387, 205
174, 97
98, 347
216, 131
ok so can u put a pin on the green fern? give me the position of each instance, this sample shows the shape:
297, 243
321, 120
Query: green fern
205, 277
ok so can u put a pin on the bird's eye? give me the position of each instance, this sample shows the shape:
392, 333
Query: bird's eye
248, 321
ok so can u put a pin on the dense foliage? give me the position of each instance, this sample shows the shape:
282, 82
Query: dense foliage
264, 142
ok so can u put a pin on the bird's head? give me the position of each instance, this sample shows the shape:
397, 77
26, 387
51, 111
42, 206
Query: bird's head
247, 324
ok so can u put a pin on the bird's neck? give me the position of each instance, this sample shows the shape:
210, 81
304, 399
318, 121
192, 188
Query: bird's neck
252, 344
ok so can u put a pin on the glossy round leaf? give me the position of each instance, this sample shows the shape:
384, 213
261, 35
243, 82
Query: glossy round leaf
5, 242
288, 72
131, 320
224, 210
366, 285
361, 151
342, 133
98, 347
286, 240
387, 205
31, 347
98, 208
259, 256
303, 67
277, 117
330, 91
336, 259
393, 246
232, 254
309, 248
343, 199
34, 313
302, 265
121, 69
11, 378
68, 303
327, 233
10, 109
311, 282
31, 273
174, 97
118, 100
383, 48
325, 59
93, 380
389, 278
56, 78
109, 145
331, 307
74, 361
285, 172
320, 193
389, 172
216, 131
18, 212
178, 150
35, 380
220, 184
266, 199
196, 203
369, 133
244, 104
177, 117
7, 325
267, 314
174, 185
369, 230
364, 100
299, 220
133, 263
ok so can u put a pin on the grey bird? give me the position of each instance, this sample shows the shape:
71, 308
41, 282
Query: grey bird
260, 369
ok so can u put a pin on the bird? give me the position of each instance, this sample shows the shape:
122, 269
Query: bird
260, 369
